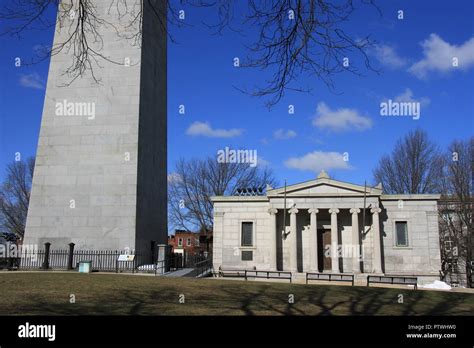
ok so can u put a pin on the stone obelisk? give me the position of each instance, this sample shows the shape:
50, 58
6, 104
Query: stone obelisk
100, 179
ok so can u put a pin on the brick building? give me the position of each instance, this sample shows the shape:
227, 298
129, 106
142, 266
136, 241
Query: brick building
193, 243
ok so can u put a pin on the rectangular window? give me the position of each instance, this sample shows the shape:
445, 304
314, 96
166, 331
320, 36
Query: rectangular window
189, 241
247, 255
247, 234
196, 242
180, 242
402, 233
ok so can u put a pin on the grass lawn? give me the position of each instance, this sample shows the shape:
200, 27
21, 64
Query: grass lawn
112, 294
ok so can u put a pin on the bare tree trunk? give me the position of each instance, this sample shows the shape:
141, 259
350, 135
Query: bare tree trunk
15, 196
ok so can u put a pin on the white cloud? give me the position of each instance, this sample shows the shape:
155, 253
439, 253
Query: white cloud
174, 177
407, 96
204, 129
318, 160
438, 56
341, 119
263, 162
387, 55
281, 134
32, 80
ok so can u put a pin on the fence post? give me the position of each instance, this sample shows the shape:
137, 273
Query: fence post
153, 251
70, 256
47, 246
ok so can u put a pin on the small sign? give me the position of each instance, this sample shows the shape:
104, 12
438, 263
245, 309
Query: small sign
126, 257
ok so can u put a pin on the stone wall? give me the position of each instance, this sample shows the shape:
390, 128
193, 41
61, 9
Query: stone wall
422, 256
228, 218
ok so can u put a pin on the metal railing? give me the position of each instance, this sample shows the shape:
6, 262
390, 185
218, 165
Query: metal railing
104, 261
330, 277
393, 279
203, 268
244, 273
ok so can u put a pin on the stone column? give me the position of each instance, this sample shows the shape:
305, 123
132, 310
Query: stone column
355, 240
293, 241
334, 256
313, 240
377, 258
218, 236
163, 259
273, 239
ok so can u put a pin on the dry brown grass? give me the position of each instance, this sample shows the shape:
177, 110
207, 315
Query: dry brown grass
113, 294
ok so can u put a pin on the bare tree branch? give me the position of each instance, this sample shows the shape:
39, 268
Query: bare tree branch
414, 166
194, 182
288, 38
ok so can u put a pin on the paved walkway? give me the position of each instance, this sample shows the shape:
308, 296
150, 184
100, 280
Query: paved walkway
179, 273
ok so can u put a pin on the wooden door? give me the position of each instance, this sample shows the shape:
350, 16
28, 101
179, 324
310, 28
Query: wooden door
324, 241
326, 249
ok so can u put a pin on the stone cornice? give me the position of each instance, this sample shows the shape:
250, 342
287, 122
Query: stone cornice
331, 182
423, 197
239, 199
329, 194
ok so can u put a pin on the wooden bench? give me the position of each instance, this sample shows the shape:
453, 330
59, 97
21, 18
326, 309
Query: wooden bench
330, 277
393, 279
231, 273
244, 273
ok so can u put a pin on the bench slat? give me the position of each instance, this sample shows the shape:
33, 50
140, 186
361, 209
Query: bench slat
256, 274
338, 277
397, 280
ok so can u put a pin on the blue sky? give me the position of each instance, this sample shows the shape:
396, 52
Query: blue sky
413, 54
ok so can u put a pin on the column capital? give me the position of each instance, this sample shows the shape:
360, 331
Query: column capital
293, 210
354, 211
313, 211
375, 210
333, 211
272, 211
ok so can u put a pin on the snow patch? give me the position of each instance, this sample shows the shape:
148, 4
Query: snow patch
437, 284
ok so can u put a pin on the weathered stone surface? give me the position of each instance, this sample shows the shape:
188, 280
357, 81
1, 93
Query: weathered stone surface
421, 257
100, 182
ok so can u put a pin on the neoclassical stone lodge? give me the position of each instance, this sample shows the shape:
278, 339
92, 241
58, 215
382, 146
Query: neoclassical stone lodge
324, 230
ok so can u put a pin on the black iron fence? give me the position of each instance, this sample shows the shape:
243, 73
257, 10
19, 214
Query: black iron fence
202, 268
101, 260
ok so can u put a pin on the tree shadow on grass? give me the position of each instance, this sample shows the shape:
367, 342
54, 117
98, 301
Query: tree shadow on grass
204, 297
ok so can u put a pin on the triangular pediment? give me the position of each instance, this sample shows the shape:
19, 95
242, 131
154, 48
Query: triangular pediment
324, 186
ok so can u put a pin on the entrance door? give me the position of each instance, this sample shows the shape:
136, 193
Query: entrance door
324, 242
